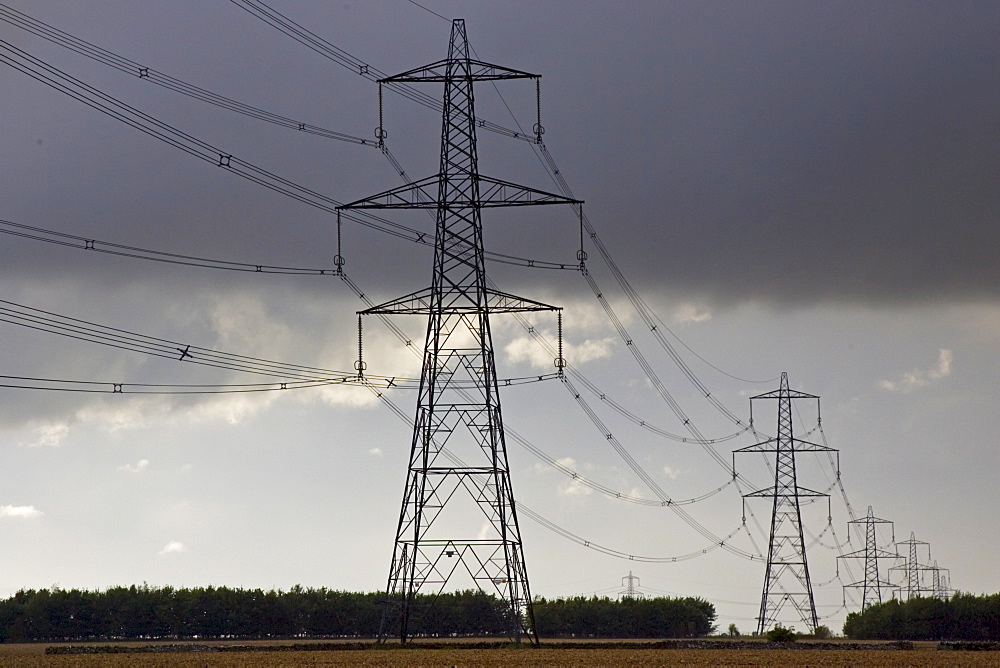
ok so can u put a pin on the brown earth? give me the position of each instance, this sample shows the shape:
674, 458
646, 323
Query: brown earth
924, 654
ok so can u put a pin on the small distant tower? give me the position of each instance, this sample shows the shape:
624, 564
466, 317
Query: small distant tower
871, 586
941, 582
912, 569
786, 579
630, 582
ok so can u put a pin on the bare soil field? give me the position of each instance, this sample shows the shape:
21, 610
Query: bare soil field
924, 654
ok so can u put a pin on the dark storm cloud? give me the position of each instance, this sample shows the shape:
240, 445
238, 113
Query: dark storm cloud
780, 152
796, 153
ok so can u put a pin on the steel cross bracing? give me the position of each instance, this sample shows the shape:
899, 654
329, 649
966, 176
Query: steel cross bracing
458, 473
786, 579
871, 587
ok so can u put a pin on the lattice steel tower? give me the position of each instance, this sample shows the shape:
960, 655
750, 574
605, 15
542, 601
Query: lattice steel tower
786, 579
630, 582
913, 568
458, 453
871, 586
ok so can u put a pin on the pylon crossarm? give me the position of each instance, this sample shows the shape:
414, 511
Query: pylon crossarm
419, 303
503, 302
784, 392
421, 194
494, 192
416, 303
758, 447
807, 446
798, 444
476, 70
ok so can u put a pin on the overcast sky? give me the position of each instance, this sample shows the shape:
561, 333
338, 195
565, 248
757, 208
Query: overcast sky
790, 187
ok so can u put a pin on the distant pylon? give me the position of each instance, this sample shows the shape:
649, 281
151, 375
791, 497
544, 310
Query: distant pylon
913, 568
458, 453
941, 582
871, 586
786, 579
630, 582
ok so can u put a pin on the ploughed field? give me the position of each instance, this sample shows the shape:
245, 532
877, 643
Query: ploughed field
923, 654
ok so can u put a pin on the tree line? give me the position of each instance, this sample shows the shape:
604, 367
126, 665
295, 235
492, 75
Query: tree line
140, 612
624, 618
962, 617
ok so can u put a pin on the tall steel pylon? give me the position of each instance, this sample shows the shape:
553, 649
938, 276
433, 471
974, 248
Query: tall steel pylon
458, 452
871, 586
786, 579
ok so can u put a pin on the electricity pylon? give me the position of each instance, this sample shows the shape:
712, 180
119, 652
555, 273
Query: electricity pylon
458, 452
871, 586
941, 580
630, 590
786, 579
912, 569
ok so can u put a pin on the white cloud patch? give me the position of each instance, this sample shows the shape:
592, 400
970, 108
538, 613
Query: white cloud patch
233, 409
691, 313
49, 435
173, 547
921, 377
23, 512
570, 486
574, 487
133, 415
526, 349
375, 452
139, 467
671, 473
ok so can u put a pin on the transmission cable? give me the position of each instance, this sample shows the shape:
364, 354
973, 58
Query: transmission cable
665, 499
60, 81
324, 48
111, 387
606, 399
716, 543
107, 247
535, 450
82, 330
122, 64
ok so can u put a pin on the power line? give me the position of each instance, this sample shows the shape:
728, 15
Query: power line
106, 247
528, 445
122, 64
111, 387
82, 330
716, 542
106, 104
334, 53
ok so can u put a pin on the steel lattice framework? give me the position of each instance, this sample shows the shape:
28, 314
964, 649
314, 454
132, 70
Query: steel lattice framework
914, 582
458, 467
786, 579
871, 586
